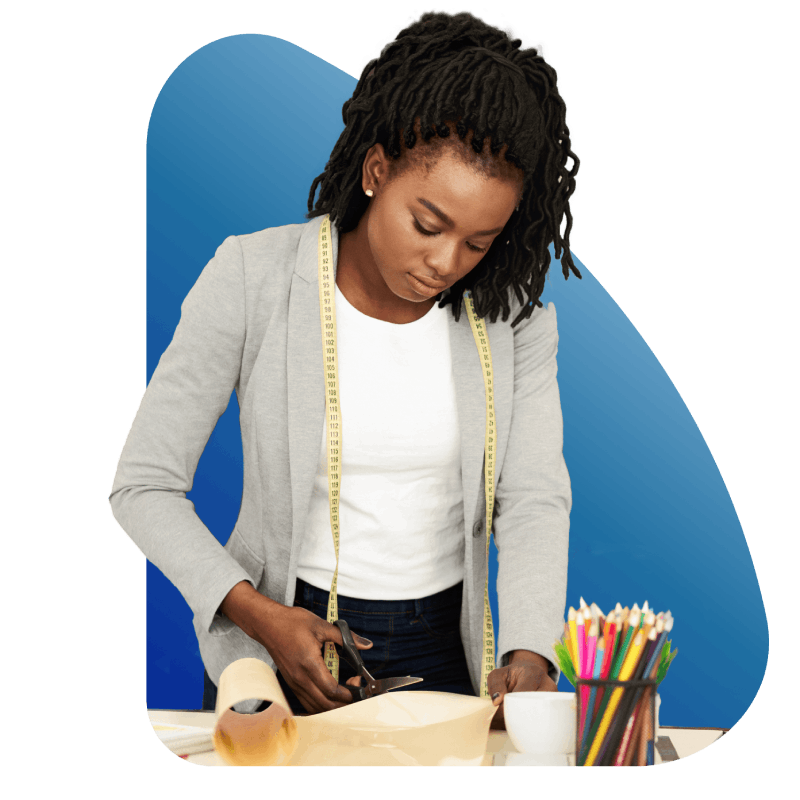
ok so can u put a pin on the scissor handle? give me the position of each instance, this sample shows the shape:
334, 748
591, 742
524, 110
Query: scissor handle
353, 658
349, 649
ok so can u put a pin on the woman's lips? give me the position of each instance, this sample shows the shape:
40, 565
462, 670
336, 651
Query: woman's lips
422, 288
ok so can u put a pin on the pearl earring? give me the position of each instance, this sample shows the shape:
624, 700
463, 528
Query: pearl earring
369, 193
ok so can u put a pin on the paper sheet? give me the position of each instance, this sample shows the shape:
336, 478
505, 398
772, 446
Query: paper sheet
398, 728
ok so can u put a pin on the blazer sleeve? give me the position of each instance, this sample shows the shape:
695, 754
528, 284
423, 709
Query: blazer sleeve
188, 392
534, 497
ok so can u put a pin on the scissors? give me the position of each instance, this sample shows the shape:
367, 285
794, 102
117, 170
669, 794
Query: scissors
353, 658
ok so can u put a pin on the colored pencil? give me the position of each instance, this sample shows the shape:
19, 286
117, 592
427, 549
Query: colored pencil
630, 700
627, 669
632, 747
614, 674
651, 670
591, 650
573, 637
626, 707
639, 752
653, 657
626, 645
587, 623
598, 663
601, 703
568, 644
628, 631
612, 637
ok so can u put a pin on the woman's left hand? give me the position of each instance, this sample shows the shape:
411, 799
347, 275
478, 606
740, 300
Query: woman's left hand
522, 676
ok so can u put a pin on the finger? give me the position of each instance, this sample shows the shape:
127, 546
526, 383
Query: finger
497, 684
498, 720
332, 694
355, 681
331, 633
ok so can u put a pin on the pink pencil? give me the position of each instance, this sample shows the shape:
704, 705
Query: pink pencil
579, 627
591, 650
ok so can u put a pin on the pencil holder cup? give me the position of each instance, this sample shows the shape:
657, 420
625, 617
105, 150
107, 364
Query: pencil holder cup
616, 722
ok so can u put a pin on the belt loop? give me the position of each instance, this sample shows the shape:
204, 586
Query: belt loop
418, 608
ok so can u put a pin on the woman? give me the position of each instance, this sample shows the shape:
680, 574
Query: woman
449, 177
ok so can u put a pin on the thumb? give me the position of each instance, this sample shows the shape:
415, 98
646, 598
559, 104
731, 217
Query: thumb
361, 642
333, 634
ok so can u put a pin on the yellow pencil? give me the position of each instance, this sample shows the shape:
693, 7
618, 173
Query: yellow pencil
568, 643
628, 666
573, 637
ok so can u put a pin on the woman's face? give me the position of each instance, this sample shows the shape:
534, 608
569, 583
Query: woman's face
427, 227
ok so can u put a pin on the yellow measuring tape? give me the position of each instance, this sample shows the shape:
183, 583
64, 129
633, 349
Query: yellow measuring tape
327, 308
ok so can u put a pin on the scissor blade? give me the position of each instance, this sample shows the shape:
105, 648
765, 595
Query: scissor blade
386, 684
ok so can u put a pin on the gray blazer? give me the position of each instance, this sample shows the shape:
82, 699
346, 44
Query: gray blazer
251, 323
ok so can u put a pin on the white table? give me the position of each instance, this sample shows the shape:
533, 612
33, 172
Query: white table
685, 741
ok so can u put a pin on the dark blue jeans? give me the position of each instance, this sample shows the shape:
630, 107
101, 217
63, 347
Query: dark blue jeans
420, 638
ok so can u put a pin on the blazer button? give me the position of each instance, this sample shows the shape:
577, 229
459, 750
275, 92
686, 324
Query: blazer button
477, 528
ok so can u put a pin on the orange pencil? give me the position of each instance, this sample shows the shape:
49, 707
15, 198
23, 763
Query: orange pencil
608, 636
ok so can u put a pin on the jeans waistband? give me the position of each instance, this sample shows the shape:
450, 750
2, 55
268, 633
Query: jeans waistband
447, 597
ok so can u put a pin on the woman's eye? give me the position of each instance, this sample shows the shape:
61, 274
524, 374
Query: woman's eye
426, 232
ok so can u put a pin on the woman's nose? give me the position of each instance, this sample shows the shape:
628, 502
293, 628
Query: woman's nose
445, 264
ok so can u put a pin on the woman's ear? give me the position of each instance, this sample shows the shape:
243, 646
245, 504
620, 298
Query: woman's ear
375, 168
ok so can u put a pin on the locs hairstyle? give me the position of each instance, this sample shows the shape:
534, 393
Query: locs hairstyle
457, 68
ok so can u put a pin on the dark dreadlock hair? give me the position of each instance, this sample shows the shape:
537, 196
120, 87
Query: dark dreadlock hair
457, 68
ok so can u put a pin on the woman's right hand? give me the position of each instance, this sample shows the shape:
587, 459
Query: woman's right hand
295, 638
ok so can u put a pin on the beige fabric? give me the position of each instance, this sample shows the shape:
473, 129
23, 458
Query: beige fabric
398, 728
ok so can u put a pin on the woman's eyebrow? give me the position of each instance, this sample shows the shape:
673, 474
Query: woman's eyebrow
442, 216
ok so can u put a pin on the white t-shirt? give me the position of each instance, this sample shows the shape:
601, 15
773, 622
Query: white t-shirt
401, 504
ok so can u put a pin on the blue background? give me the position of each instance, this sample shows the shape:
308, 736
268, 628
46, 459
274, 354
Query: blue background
236, 137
